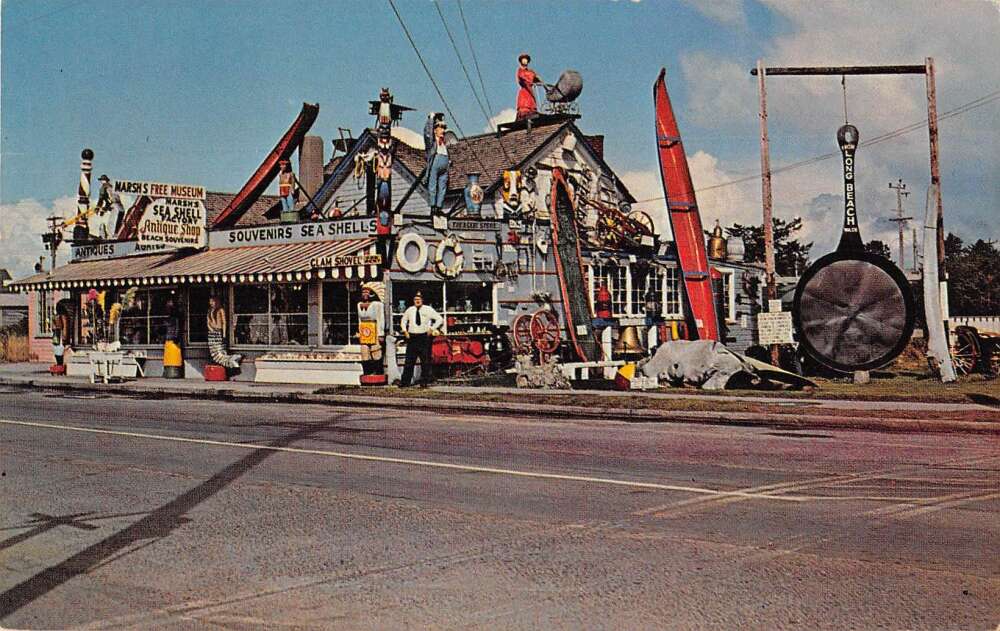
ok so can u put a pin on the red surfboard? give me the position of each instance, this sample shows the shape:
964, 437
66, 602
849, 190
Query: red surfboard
684, 217
268, 169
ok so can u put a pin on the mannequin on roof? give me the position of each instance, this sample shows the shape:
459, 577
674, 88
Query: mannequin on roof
527, 79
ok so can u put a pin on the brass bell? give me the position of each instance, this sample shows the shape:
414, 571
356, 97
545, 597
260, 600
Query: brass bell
717, 243
628, 341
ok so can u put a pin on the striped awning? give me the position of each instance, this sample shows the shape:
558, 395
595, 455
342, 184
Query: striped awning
349, 258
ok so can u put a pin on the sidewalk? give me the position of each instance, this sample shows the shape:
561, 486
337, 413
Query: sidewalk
685, 406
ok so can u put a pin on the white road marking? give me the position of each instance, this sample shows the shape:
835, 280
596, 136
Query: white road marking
422, 463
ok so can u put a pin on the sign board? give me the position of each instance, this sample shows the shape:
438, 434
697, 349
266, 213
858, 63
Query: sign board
293, 233
473, 225
113, 250
774, 327
174, 223
345, 260
159, 190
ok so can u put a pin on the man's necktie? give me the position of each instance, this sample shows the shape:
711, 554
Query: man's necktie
416, 320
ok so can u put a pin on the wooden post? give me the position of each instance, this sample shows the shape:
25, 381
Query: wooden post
765, 196
932, 130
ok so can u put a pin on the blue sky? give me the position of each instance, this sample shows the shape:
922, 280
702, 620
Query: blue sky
198, 92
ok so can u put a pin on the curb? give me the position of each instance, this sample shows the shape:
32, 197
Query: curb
792, 420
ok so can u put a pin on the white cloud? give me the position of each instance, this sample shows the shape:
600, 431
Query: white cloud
21, 226
719, 92
729, 12
506, 115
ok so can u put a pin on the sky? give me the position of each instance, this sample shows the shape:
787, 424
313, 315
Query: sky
199, 92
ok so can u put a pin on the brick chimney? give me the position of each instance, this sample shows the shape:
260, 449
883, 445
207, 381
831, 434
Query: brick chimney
596, 144
311, 164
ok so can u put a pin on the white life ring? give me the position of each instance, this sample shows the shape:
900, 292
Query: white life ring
452, 243
413, 265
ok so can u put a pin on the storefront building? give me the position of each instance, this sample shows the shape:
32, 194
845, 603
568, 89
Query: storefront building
290, 290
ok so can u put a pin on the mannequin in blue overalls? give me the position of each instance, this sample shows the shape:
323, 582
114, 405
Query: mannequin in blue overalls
437, 161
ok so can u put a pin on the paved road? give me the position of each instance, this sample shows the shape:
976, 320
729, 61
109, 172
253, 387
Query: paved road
182, 514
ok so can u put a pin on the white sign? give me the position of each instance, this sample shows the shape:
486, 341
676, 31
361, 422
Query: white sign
774, 328
159, 189
174, 223
113, 250
293, 233
473, 225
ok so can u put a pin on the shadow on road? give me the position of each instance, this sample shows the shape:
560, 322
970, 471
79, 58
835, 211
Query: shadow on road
984, 399
156, 525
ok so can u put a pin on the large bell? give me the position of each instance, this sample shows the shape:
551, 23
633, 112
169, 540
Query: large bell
717, 243
628, 341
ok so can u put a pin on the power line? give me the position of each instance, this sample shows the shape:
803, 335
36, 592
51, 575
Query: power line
475, 60
430, 76
962, 109
454, 46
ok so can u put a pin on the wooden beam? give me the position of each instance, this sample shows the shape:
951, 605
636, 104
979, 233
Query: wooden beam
841, 70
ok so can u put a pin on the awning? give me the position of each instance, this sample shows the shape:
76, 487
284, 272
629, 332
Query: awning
349, 258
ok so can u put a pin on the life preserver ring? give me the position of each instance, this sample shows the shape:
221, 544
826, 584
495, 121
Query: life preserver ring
452, 243
413, 265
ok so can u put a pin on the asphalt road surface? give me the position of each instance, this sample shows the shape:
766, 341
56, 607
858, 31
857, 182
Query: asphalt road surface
123, 513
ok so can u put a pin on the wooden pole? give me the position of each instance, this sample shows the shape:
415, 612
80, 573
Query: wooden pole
765, 196
932, 130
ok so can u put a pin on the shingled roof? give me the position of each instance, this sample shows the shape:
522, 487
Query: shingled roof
257, 213
487, 154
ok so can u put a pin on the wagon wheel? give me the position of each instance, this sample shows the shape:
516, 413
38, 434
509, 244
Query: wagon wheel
640, 218
520, 334
545, 332
966, 352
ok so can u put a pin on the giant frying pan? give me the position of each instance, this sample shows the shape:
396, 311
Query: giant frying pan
853, 310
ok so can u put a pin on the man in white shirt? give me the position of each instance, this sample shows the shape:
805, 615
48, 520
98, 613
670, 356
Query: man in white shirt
417, 323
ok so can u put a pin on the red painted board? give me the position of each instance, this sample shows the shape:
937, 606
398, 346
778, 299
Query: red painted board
684, 217
268, 169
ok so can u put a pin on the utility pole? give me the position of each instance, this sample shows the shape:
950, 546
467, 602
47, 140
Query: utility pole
916, 255
901, 192
766, 198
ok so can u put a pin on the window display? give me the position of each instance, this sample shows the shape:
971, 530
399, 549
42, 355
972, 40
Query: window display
275, 314
340, 314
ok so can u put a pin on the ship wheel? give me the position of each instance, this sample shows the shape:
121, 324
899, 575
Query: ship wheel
545, 332
966, 352
520, 334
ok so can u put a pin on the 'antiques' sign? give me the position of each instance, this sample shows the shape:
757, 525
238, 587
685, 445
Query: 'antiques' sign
112, 250
346, 261
774, 327
174, 223
293, 233
159, 189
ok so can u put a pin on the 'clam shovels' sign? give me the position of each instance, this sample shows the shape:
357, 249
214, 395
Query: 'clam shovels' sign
175, 218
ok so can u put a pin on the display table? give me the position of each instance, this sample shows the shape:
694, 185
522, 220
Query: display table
111, 366
333, 368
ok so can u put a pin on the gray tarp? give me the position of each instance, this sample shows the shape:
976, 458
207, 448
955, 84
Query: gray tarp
704, 363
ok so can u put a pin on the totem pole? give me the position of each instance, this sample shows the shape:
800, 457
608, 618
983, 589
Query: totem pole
81, 231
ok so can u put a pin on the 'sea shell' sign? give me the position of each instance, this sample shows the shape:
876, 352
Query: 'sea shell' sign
174, 223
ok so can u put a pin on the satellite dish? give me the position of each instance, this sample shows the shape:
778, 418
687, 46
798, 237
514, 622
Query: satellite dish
450, 138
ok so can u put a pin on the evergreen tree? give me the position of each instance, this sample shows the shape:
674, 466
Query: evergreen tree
875, 246
790, 255
973, 277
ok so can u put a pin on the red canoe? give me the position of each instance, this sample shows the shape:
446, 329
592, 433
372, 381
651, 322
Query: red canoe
684, 218
268, 169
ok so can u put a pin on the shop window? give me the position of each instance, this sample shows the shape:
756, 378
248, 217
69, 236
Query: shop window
468, 308
46, 310
340, 313
728, 295
672, 293
402, 295
152, 315
275, 314
197, 310
641, 283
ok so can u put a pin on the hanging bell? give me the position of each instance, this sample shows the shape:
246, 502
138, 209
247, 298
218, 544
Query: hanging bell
628, 341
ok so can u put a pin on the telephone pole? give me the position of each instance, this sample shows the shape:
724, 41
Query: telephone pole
901, 192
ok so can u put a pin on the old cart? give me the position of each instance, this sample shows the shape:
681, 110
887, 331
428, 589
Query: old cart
974, 350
